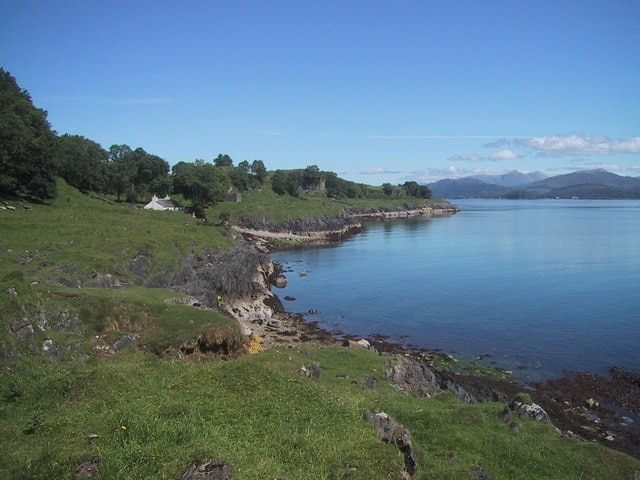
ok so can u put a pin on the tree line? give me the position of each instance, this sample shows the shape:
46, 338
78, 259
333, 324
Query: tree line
32, 155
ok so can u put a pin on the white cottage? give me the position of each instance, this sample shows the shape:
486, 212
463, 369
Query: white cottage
162, 204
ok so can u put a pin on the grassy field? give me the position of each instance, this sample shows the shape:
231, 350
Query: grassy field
149, 416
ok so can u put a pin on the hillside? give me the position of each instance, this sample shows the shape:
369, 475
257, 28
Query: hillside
511, 179
582, 184
114, 320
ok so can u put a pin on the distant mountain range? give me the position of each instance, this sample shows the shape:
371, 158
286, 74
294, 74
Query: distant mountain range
597, 183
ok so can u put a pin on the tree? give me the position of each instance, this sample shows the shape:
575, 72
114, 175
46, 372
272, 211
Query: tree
27, 166
202, 183
387, 188
223, 160
294, 183
82, 163
239, 177
148, 170
311, 177
414, 190
259, 171
137, 173
120, 169
279, 182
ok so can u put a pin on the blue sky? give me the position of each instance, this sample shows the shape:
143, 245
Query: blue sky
376, 91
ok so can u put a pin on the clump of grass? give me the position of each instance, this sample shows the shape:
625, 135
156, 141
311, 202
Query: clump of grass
523, 398
465, 367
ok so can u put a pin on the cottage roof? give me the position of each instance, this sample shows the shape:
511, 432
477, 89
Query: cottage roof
167, 202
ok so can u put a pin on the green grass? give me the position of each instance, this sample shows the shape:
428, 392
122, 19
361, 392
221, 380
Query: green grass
77, 235
154, 416
266, 204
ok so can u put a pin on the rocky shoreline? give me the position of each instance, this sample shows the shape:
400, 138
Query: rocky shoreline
330, 229
584, 406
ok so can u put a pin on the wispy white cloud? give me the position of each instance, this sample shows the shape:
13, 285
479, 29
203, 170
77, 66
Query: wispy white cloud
504, 155
432, 175
463, 158
379, 171
580, 145
494, 157
437, 137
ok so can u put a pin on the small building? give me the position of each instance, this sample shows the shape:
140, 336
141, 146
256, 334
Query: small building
162, 204
234, 197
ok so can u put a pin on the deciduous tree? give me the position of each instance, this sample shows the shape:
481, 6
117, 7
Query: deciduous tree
82, 163
27, 166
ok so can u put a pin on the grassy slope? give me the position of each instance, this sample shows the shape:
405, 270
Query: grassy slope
154, 417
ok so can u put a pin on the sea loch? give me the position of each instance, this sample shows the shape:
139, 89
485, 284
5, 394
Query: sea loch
540, 287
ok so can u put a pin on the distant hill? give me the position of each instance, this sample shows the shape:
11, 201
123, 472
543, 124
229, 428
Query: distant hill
587, 184
511, 179
597, 183
466, 188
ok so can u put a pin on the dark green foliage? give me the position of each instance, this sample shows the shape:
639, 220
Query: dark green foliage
294, 183
82, 163
414, 190
311, 177
239, 176
202, 183
27, 166
340, 188
279, 182
120, 170
258, 171
137, 173
223, 160
312, 180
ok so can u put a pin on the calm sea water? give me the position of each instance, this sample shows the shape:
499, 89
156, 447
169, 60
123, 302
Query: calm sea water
549, 285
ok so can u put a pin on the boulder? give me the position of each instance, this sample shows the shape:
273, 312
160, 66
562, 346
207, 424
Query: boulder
533, 410
369, 382
88, 469
409, 374
413, 375
209, 471
390, 431
311, 370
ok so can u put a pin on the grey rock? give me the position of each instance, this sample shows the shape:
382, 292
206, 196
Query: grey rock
88, 468
41, 320
390, 431
534, 411
26, 333
124, 342
18, 323
311, 370
274, 324
480, 474
11, 291
4, 352
369, 382
209, 471
413, 375
66, 320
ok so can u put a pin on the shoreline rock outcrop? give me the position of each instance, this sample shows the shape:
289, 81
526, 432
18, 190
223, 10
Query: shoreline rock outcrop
334, 228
